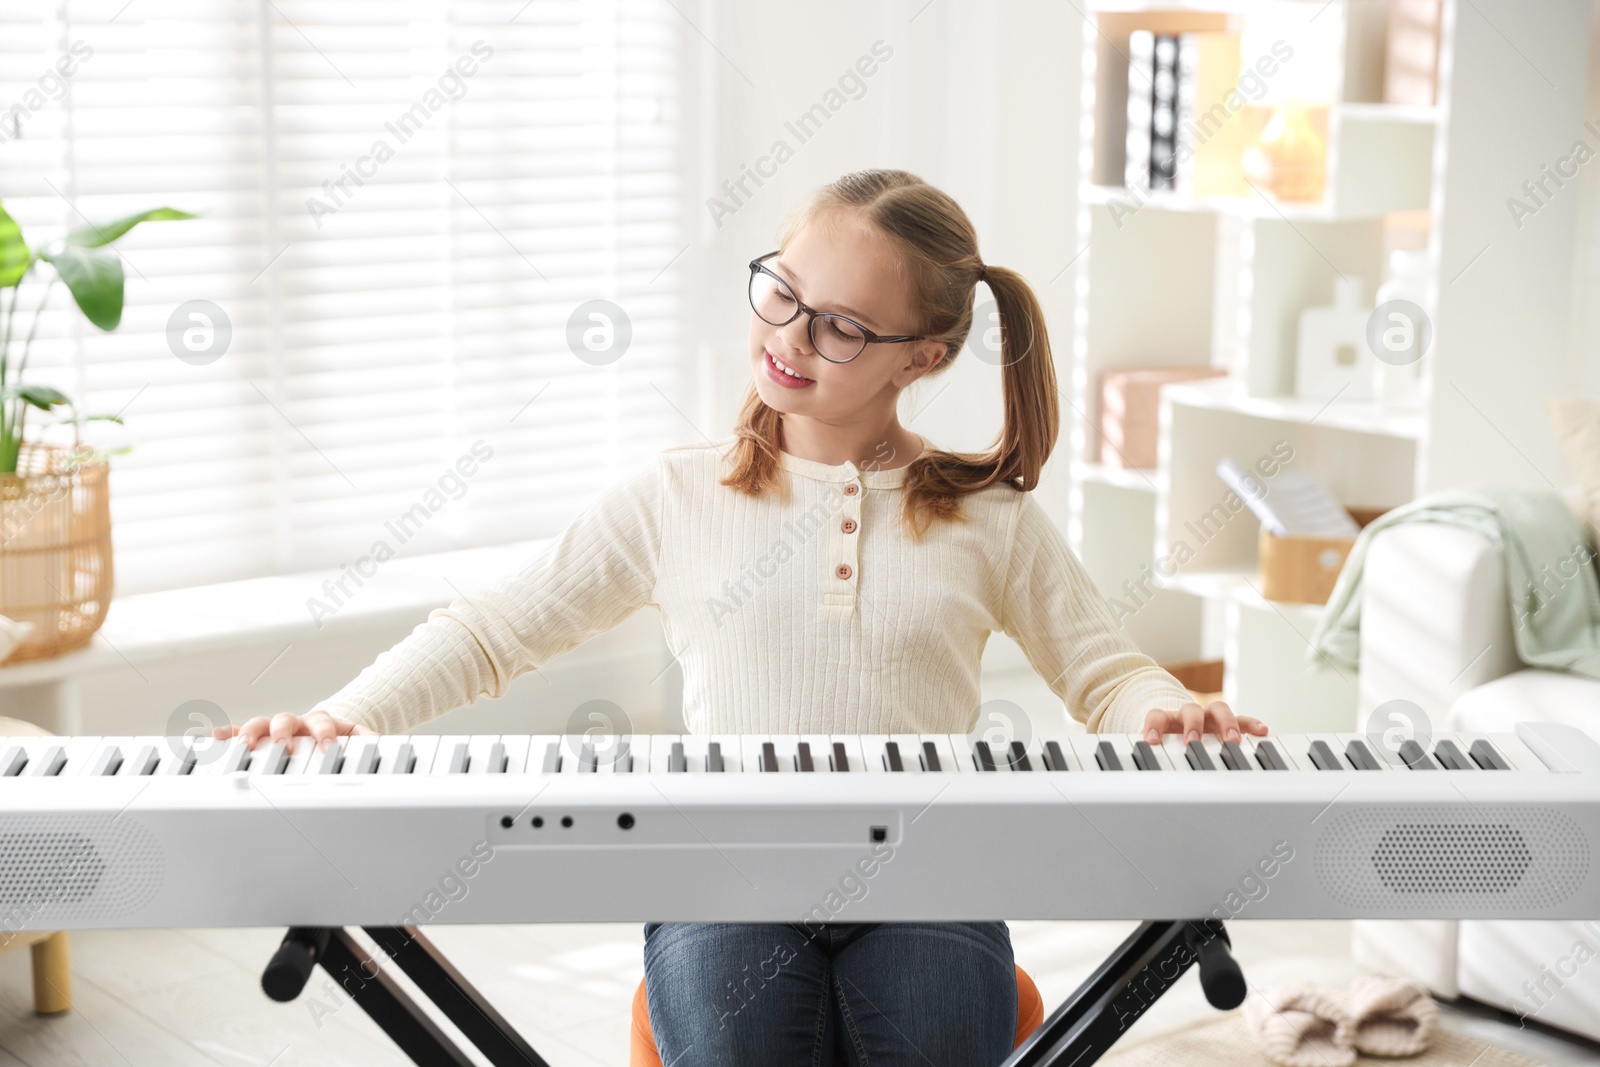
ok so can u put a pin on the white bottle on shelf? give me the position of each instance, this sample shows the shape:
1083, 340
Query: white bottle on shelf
1399, 386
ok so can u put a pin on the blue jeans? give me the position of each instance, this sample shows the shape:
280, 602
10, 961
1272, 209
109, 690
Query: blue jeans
792, 994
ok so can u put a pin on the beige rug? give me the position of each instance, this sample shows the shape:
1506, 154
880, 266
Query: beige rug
1224, 1042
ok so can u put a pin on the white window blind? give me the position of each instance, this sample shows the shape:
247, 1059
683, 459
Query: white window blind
403, 204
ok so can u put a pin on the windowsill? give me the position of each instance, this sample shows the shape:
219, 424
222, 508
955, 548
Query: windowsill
146, 627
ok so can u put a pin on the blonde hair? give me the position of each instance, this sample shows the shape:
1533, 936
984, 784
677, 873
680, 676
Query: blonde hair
938, 250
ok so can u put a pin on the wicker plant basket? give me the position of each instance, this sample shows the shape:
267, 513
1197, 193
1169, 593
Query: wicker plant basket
55, 549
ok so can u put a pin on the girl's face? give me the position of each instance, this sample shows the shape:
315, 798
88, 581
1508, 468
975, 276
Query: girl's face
841, 266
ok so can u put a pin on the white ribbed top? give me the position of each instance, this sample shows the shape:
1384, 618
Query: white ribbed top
818, 615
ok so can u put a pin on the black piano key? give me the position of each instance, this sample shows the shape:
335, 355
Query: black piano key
237, 759
981, 756
14, 759
841, 759
1269, 757
497, 758
891, 756
552, 759
1233, 757
930, 757
1056, 759
367, 761
1106, 756
1487, 756
802, 760
677, 762
274, 759
1452, 758
1323, 758
459, 759
49, 764
144, 761
1195, 752
1414, 756
588, 761
1361, 757
1144, 757
624, 763
769, 758
1019, 757
107, 762
405, 759
714, 757
326, 760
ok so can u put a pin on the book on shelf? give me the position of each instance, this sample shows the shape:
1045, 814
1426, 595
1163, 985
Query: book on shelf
1185, 128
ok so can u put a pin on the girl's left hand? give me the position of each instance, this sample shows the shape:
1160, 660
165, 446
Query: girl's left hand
1192, 720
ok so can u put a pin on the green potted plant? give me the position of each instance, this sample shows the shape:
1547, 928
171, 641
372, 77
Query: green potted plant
55, 525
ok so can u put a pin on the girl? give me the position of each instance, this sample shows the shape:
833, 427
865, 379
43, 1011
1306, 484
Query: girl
824, 570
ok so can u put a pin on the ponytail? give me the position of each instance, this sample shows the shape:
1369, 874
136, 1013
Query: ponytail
940, 250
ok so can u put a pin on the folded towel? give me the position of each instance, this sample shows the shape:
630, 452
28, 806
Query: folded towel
1301, 1026
1391, 1016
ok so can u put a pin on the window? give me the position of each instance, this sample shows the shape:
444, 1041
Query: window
403, 206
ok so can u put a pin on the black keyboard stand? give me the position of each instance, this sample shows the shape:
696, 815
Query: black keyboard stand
1122, 988
1079, 1032
360, 977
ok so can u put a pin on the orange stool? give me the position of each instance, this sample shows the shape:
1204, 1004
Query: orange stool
642, 1049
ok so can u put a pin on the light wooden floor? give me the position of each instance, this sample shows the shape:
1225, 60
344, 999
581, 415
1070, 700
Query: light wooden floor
173, 998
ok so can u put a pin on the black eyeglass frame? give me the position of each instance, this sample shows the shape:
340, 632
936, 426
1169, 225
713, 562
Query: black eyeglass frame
869, 338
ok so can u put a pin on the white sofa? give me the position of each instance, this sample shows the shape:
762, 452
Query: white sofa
1436, 629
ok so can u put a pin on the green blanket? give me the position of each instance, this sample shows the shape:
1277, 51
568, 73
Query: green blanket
1550, 571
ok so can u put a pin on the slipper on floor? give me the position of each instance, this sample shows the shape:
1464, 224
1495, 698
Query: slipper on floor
1391, 1016
1301, 1026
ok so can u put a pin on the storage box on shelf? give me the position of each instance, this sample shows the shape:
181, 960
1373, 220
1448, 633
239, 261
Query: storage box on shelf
1170, 279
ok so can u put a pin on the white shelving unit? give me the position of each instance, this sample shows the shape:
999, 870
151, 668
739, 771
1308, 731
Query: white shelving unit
1221, 282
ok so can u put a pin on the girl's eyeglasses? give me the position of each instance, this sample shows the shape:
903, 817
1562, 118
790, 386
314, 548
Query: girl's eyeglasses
835, 338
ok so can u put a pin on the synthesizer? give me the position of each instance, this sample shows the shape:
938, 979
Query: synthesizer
395, 830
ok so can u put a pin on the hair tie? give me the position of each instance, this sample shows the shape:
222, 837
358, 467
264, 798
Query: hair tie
983, 272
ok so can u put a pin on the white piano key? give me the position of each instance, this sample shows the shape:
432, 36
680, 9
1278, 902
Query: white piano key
79, 752
785, 747
539, 754
750, 751
910, 751
450, 755
857, 763
516, 752
571, 749
214, 758
821, 745
732, 753
872, 749
300, 753
661, 752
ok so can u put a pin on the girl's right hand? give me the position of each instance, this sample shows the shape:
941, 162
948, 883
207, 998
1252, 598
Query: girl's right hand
285, 725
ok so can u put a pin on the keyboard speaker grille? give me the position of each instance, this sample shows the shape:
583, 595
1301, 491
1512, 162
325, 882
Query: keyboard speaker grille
1414, 859
61, 870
